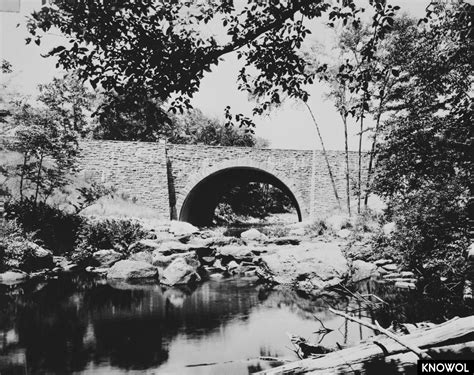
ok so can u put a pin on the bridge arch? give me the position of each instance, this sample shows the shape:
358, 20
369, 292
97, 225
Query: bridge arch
197, 201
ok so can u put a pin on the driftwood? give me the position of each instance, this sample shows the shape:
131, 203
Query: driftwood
377, 328
396, 363
355, 356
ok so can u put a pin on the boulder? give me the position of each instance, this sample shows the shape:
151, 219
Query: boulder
238, 253
12, 277
381, 262
181, 228
172, 247
37, 258
317, 262
390, 267
163, 261
179, 272
106, 258
132, 269
289, 240
344, 233
363, 270
142, 256
144, 245
389, 228
252, 235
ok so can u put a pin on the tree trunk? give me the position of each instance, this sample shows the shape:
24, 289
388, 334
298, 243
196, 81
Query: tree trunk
359, 172
341, 361
346, 150
38, 176
22, 176
325, 155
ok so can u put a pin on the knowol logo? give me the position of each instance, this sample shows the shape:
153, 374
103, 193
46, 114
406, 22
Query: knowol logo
465, 367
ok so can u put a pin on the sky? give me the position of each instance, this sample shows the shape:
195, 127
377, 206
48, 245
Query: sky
287, 127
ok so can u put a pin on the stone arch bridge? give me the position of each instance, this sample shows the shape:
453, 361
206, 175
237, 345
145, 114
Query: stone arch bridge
184, 182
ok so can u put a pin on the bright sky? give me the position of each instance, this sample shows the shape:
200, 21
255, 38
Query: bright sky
287, 127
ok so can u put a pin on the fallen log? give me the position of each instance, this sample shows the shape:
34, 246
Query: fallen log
377, 328
454, 329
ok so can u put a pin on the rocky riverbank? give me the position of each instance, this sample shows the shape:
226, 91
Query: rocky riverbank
178, 253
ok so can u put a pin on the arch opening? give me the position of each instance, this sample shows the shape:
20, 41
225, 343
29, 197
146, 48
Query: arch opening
200, 203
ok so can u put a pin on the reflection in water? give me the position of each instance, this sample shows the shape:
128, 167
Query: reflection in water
82, 324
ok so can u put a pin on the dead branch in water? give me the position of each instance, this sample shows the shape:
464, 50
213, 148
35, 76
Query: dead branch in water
387, 333
353, 359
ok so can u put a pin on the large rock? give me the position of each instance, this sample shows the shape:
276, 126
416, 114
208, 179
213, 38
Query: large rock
132, 269
181, 228
37, 258
239, 253
12, 277
288, 240
179, 272
106, 258
162, 261
363, 270
142, 256
318, 263
253, 235
144, 245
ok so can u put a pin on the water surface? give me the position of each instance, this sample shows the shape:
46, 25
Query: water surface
84, 325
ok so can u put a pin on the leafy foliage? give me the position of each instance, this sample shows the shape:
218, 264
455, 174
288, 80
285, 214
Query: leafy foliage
424, 160
106, 234
55, 228
157, 49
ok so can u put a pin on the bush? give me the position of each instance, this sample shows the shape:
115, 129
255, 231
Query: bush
316, 228
13, 245
54, 228
116, 234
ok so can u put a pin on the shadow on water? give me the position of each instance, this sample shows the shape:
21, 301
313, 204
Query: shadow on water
79, 323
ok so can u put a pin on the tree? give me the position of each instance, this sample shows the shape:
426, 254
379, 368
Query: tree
424, 159
68, 98
156, 49
48, 148
124, 120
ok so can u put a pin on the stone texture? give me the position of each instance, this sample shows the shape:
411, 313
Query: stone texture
159, 174
363, 270
317, 262
144, 245
106, 258
142, 256
289, 240
252, 235
131, 269
180, 228
179, 272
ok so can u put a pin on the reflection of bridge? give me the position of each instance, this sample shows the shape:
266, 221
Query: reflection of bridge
186, 181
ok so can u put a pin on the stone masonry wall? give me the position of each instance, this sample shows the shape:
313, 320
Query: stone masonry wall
135, 168
161, 175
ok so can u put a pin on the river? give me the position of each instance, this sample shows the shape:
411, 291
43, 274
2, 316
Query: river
83, 324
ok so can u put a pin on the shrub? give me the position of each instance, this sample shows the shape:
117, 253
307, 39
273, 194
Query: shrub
116, 234
13, 245
316, 228
54, 228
